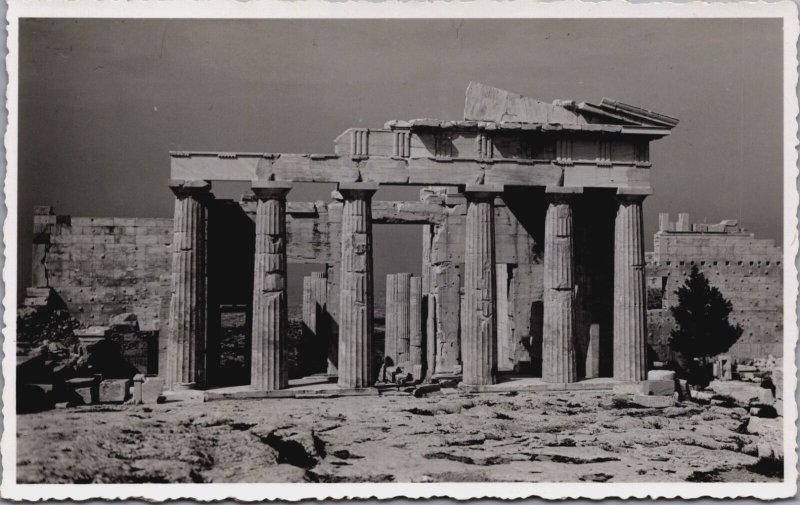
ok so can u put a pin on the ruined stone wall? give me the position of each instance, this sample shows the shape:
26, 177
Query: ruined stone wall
103, 266
747, 271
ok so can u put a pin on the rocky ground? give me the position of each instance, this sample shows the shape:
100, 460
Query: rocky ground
566, 437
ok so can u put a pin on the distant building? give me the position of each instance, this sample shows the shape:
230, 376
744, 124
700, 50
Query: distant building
747, 270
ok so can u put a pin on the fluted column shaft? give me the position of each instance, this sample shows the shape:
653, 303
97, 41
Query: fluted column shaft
390, 317
415, 325
630, 309
479, 336
403, 301
356, 295
268, 365
186, 367
558, 347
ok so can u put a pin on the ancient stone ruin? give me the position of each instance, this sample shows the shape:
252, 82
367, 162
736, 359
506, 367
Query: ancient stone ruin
533, 251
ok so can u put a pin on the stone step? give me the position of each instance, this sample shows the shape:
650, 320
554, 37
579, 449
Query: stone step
38, 292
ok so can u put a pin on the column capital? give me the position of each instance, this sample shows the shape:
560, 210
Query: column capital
193, 188
562, 193
270, 190
351, 190
633, 194
483, 191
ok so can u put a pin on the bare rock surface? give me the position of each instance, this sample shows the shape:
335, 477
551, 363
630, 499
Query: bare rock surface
543, 437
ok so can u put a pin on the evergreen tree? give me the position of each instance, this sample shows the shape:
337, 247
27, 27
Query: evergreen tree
702, 329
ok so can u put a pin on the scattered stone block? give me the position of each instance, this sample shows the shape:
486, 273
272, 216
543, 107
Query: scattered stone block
127, 321
114, 390
766, 396
657, 402
764, 411
658, 387
152, 387
82, 390
665, 375
764, 426
627, 389
89, 337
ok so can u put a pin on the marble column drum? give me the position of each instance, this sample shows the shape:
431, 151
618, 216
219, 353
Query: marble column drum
630, 309
415, 327
188, 306
559, 363
479, 337
390, 321
403, 302
356, 295
269, 368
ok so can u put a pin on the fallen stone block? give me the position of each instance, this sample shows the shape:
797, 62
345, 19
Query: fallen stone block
114, 390
152, 387
658, 402
127, 321
765, 411
627, 389
82, 390
664, 375
764, 426
766, 396
658, 387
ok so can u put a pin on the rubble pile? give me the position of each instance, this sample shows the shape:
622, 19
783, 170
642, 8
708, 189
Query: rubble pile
69, 365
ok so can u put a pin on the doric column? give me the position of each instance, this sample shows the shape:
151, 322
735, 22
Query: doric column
186, 367
630, 310
558, 335
268, 365
403, 301
390, 318
479, 336
415, 327
356, 295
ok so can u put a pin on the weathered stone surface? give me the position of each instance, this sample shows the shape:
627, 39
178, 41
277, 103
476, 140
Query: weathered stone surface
661, 375
126, 320
630, 324
416, 356
114, 390
268, 367
558, 349
186, 350
658, 387
480, 319
652, 401
356, 295
486, 103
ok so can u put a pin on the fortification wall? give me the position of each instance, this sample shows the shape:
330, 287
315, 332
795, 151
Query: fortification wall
747, 271
103, 266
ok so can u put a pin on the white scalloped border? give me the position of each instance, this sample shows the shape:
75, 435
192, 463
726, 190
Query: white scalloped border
787, 10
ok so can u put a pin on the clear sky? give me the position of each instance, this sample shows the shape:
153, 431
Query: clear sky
102, 102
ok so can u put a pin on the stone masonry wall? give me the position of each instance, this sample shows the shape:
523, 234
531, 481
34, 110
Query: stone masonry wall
103, 266
747, 271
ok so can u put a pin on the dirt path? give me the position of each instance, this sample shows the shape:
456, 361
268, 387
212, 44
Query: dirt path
548, 437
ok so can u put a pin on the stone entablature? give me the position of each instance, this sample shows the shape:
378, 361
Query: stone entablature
747, 271
570, 144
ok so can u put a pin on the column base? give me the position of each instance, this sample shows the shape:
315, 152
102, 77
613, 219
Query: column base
183, 386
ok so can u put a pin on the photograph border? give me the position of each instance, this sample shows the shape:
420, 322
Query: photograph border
315, 9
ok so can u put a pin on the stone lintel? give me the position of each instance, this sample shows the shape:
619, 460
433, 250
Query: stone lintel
268, 190
189, 187
354, 189
634, 193
483, 191
563, 190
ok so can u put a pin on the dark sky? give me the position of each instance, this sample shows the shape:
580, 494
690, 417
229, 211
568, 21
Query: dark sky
103, 101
